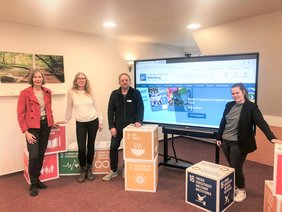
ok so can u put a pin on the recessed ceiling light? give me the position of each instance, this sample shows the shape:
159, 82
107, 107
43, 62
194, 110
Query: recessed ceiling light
109, 24
193, 26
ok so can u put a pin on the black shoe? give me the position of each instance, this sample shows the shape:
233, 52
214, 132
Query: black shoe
33, 191
41, 185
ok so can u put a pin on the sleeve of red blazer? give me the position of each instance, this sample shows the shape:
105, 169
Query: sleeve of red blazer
21, 112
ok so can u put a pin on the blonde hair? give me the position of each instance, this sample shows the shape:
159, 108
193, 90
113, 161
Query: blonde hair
31, 75
87, 87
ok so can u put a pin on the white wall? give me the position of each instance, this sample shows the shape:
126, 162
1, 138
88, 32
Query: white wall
261, 34
102, 59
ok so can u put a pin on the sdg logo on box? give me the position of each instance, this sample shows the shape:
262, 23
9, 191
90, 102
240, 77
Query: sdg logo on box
101, 161
68, 163
141, 175
49, 169
57, 140
209, 186
140, 143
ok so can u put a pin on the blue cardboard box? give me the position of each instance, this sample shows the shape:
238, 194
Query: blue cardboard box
210, 186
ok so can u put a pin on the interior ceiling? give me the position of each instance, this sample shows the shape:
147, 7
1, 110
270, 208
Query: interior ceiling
153, 21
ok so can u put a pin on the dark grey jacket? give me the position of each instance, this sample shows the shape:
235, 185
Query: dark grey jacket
250, 116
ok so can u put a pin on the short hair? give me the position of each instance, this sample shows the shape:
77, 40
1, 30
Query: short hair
31, 75
87, 87
122, 74
242, 88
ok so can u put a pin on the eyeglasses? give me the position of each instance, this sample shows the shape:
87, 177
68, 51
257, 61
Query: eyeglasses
81, 78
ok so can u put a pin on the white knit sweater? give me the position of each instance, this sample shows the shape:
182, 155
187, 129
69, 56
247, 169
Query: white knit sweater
84, 106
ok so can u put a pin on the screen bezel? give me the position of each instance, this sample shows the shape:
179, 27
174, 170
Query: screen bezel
191, 59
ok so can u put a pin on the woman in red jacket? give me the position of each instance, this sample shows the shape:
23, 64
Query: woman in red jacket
35, 119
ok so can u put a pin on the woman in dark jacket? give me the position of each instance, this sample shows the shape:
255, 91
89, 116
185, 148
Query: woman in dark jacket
236, 135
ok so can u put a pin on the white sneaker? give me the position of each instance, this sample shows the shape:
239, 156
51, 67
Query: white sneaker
110, 176
240, 196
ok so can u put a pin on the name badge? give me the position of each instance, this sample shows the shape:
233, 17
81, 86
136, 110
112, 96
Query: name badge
128, 100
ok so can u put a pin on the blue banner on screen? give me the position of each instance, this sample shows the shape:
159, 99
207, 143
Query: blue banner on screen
193, 91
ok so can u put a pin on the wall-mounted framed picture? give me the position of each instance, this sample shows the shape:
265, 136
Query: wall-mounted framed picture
15, 68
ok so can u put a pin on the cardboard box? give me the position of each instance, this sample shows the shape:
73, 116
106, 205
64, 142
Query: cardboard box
277, 170
49, 169
57, 140
140, 143
271, 202
141, 175
102, 145
101, 162
69, 163
209, 186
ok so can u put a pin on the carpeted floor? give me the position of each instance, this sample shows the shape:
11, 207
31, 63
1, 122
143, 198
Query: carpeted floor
65, 194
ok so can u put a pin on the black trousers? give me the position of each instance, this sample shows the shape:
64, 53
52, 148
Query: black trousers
236, 160
115, 143
86, 134
36, 151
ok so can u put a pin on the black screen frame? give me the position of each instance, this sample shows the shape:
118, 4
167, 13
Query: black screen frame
191, 59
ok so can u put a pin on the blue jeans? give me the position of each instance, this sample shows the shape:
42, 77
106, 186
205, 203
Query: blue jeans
236, 160
86, 134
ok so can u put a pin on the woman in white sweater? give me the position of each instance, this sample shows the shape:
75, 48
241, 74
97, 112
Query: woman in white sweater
82, 102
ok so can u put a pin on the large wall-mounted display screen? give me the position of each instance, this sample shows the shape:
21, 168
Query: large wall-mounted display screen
193, 91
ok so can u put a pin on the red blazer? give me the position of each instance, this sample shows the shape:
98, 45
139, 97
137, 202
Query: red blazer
29, 109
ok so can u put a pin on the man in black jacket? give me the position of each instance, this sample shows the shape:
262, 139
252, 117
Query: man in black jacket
125, 107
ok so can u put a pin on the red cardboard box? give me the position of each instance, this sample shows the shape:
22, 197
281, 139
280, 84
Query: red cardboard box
50, 167
277, 170
271, 202
57, 140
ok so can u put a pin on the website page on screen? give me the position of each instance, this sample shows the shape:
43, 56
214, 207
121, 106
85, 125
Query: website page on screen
191, 93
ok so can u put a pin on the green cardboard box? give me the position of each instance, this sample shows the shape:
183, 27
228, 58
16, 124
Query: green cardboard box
69, 163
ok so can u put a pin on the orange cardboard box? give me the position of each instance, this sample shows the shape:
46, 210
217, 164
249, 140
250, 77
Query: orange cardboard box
140, 143
141, 175
50, 167
101, 163
271, 202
